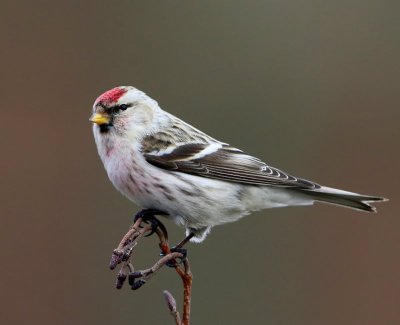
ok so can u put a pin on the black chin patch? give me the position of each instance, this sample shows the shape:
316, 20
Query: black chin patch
104, 128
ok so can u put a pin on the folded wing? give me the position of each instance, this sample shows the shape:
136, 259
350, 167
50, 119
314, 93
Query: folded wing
223, 162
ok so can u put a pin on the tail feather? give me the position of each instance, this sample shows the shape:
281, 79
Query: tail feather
344, 198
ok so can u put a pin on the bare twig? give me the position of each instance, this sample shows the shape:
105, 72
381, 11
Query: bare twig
124, 253
144, 275
128, 242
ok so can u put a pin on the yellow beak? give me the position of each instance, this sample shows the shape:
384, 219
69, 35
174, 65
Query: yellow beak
99, 119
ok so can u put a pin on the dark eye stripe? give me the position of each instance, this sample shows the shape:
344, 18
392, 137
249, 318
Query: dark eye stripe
118, 108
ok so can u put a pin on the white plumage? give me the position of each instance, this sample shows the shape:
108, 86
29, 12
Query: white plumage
158, 161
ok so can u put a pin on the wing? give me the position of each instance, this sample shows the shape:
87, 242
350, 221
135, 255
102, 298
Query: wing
218, 161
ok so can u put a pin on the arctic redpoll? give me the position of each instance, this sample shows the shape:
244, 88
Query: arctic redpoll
160, 162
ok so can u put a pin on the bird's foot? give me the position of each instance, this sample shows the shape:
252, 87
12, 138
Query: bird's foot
178, 249
176, 262
147, 214
148, 217
124, 250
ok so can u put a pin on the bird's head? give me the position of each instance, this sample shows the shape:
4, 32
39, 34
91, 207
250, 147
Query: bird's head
123, 111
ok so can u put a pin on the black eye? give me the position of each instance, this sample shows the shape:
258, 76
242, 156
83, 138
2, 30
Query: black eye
123, 107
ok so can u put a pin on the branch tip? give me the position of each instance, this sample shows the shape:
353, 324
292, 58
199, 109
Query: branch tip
121, 277
170, 300
138, 284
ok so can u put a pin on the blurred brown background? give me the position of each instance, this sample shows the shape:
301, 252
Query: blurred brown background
311, 87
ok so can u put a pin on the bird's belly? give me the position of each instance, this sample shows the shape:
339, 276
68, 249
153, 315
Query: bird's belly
189, 200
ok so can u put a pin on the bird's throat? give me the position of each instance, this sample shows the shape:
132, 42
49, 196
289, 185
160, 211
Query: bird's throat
105, 128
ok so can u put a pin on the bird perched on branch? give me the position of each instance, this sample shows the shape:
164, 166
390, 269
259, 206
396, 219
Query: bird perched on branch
160, 162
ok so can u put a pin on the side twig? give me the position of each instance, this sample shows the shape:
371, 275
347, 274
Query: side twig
123, 255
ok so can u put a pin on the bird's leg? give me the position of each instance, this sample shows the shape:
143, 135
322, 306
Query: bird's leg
184, 241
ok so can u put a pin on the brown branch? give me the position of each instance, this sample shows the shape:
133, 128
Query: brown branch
187, 278
123, 255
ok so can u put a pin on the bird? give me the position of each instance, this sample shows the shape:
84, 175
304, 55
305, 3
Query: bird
162, 163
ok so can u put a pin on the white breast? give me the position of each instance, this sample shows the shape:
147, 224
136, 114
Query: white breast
190, 200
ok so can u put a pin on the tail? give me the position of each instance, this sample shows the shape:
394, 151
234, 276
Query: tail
344, 198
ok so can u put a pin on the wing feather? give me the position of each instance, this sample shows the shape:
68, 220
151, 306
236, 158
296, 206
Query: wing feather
219, 161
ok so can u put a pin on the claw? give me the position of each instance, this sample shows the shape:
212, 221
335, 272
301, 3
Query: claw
147, 214
148, 217
183, 251
174, 263
154, 226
